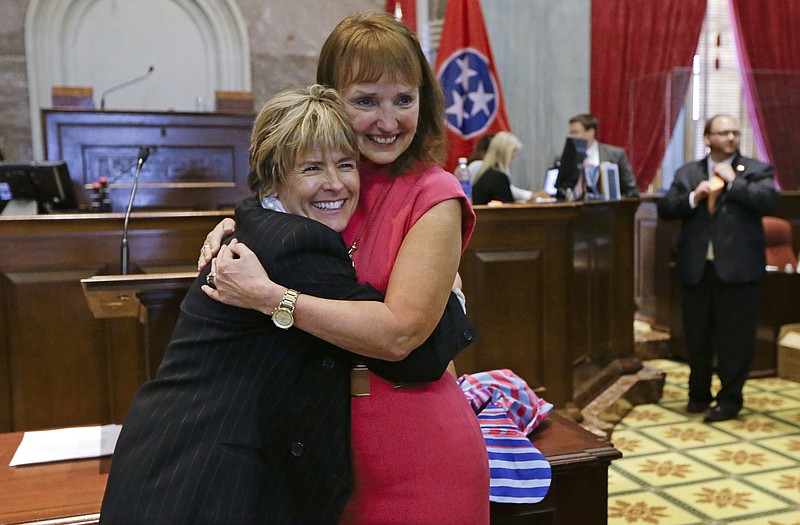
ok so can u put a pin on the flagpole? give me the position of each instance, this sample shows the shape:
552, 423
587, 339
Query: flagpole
424, 28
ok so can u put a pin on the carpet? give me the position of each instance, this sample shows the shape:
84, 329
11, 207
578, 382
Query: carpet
677, 470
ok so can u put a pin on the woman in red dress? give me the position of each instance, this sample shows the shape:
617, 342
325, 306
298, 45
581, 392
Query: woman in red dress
418, 453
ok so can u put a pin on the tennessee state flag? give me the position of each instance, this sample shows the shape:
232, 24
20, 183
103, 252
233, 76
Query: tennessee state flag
474, 102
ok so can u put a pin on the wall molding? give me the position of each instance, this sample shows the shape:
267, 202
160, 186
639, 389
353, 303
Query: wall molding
51, 28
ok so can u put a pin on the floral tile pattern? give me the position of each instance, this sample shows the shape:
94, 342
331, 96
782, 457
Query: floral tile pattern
725, 499
661, 470
632, 443
677, 470
644, 507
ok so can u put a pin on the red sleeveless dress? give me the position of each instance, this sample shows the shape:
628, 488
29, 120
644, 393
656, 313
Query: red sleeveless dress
418, 453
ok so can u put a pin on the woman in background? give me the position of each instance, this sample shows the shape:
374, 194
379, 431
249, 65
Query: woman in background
475, 161
492, 182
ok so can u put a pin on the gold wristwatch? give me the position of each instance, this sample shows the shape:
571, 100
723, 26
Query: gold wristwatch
283, 314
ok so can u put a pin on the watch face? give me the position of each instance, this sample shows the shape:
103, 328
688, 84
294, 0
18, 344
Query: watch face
282, 318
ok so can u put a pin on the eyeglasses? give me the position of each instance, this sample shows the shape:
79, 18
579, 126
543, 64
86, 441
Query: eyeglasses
734, 132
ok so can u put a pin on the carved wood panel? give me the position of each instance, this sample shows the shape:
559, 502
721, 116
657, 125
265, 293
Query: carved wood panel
59, 366
197, 160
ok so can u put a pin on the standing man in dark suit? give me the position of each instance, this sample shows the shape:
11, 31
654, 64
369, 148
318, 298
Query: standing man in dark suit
720, 261
584, 126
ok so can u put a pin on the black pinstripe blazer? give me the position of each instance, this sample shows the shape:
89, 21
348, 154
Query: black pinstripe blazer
247, 423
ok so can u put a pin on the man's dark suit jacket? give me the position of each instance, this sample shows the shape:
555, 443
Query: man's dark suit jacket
616, 155
248, 423
734, 227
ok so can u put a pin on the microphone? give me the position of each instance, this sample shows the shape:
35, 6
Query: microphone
144, 152
124, 84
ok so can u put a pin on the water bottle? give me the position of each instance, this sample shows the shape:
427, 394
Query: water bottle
463, 176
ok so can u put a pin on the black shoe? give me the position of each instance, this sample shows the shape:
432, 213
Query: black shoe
696, 407
718, 413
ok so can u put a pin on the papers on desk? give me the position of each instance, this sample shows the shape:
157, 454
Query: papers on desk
66, 443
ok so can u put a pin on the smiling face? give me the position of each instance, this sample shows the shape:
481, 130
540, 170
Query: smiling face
384, 116
322, 187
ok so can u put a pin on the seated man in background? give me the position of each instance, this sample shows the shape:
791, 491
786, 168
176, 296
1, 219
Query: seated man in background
584, 126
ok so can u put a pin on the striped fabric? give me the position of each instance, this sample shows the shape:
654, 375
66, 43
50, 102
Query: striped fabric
508, 410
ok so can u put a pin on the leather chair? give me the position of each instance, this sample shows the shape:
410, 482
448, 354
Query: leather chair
779, 249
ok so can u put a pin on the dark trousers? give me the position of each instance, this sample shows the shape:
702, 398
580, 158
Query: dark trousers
719, 319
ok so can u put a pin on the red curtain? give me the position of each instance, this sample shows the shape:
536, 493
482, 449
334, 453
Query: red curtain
640, 67
768, 41
408, 8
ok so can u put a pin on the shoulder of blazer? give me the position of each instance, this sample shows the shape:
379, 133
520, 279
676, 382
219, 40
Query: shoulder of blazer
610, 151
750, 164
697, 166
258, 225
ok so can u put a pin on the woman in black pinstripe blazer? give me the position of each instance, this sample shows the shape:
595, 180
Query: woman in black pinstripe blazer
245, 422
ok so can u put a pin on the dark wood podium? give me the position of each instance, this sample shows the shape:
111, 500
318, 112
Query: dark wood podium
59, 364
153, 299
112, 296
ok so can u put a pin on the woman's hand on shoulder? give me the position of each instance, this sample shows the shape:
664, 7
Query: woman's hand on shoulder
213, 241
241, 281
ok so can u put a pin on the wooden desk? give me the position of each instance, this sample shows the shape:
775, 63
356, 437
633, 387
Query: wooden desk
70, 492
550, 290
579, 490
59, 366
67, 492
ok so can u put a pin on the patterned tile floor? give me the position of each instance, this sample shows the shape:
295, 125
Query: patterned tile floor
677, 470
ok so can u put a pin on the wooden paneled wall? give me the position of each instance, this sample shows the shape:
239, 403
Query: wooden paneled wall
58, 364
198, 161
550, 290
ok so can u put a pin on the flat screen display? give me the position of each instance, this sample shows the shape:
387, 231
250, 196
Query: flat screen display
47, 183
570, 169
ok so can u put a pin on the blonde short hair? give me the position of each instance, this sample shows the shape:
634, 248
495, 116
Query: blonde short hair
289, 126
500, 153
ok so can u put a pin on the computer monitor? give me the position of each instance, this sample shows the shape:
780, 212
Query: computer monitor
570, 169
47, 184
550, 179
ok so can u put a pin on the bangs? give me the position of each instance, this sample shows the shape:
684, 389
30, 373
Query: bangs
327, 145
377, 56
325, 131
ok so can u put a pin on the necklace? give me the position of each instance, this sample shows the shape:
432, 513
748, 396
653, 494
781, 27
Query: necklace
367, 221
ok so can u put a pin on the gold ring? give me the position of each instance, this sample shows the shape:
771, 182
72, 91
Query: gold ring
205, 247
210, 279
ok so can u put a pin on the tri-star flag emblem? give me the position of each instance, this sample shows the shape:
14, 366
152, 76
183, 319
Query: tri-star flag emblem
470, 91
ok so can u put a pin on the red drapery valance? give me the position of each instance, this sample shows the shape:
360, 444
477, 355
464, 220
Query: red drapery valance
768, 41
641, 59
